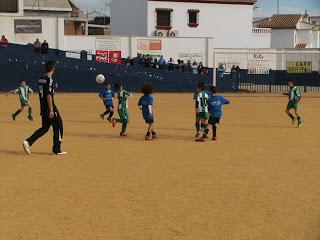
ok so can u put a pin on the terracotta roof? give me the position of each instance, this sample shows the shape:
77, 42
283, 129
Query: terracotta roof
280, 21
242, 2
301, 45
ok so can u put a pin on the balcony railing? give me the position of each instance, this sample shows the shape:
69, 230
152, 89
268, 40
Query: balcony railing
261, 31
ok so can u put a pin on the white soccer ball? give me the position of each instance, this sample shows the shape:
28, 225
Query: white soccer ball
100, 79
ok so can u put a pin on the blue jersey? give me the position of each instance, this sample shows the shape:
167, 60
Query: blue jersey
215, 106
146, 104
107, 95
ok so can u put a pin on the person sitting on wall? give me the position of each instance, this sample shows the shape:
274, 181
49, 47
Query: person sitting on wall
162, 62
4, 41
188, 67
200, 68
129, 61
171, 64
194, 68
44, 47
221, 71
181, 65
233, 73
37, 46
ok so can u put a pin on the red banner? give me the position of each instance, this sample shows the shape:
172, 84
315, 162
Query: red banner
115, 57
102, 56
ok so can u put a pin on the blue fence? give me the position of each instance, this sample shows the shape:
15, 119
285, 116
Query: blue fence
74, 75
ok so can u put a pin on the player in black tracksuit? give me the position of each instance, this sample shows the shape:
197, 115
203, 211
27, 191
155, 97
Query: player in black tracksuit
49, 112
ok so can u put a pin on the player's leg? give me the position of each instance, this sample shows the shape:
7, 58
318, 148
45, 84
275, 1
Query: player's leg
30, 117
102, 115
57, 125
289, 107
46, 123
149, 132
124, 119
296, 112
14, 115
205, 128
198, 125
111, 112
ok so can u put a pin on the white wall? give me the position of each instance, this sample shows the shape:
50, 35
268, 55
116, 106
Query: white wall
52, 30
171, 47
128, 17
261, 38
304, 36
215, 20
282, 38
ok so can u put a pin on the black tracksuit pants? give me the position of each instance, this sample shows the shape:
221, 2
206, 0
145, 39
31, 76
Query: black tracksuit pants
57, 125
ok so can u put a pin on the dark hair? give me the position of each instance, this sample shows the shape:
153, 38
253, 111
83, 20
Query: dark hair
107, 83
146, 89
201, 86
49, 66
21, 81
292, 81
117, 87
213, 89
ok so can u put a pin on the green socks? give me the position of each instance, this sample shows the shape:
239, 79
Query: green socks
30, 113
124, 127
198, 126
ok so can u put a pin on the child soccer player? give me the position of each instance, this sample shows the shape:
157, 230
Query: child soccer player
122, 109
202, 111
24, 92
198, 123
146, 105
294, 99
215, 109
107, 95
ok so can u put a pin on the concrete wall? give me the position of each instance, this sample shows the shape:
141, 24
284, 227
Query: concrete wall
283, 38
304, 36
215, 20
128, 17
261, 38
53, 34
177, 48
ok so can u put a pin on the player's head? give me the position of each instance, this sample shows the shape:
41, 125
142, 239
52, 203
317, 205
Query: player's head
118, 87
50, 67
146, 89
23, 83
291, 83
201, 86
108, 85
213, 90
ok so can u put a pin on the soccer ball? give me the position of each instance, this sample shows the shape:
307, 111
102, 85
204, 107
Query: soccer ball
100, 79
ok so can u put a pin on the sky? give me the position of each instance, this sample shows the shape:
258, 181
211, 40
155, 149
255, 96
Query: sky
265, 7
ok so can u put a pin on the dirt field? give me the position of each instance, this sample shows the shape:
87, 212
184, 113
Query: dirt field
261, 180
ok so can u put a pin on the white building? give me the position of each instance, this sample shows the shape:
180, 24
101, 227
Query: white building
190, 18
292, 30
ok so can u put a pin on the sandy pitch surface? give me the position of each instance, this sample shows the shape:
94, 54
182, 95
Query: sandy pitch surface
261, 180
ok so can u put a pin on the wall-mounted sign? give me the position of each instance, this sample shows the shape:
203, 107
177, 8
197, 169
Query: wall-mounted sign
110, 44
27, 26
299, 66
149, 45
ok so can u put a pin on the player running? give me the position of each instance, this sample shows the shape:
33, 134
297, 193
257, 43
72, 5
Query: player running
146, 105
202, 111
24, 92
294, 99
215, 109
107, 96
122, 96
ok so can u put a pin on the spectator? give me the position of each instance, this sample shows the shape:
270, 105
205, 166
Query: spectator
221, 71
200, 68
233, 73
194, 68
171, 64
238, 72
4, 41
162, 62
181, 65
44, 47
128, 61
155, 63
37, 46
188, 67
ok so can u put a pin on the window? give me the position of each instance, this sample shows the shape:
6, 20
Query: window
193, 17
9, 6
164, 18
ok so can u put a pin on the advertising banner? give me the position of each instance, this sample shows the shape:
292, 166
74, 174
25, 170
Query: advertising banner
27, 26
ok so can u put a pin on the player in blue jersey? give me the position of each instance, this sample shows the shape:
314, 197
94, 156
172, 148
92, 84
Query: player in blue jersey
146, 105
215, 110
107, 96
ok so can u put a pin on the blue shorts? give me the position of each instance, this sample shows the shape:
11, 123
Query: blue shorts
148, 120
108, 106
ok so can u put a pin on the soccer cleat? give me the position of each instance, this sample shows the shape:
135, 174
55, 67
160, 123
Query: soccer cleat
197, 135
200, 140
30, 118
26, 147
214, 139
102, 116
123, 135
13, 117
114, 123
109, 119
149, 138
60, 153
205, 137
299, 124
294, 121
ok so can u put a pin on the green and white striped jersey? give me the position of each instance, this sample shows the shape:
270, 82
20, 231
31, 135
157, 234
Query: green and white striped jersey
24, 93
294, 94
202, 100
123, 99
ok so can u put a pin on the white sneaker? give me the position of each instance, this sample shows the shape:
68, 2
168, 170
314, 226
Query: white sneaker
26, 147
60, 153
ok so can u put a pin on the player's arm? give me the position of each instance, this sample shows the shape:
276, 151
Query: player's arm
30, 91
128, 94
12, 92
48, 93
150, 107
197, 105
139, 104
225, 101
286, 94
